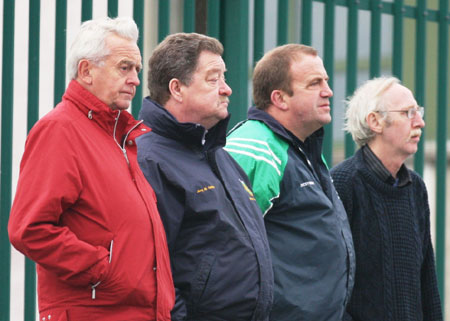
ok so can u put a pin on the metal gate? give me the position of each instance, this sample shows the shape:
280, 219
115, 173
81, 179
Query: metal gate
358, 39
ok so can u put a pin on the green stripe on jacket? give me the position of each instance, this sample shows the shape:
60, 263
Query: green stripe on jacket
263, 159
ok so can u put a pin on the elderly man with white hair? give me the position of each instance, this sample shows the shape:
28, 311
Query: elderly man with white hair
387, 206
83, 210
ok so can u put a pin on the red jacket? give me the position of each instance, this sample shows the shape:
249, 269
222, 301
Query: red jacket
84, 212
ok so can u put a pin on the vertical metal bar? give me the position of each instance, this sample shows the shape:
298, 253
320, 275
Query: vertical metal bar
328, 60
375, 38
283, 14
113, 8
32, 117
420, 76
352, 63
213, 25
441, 157
397, 45
306, 22
86, 10
163, 19
189, 16
60, 50
234, 37
138, 16
201, 16
258, 30
33, 62
6, 154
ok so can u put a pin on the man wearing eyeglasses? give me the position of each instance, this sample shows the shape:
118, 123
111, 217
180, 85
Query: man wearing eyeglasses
387, 207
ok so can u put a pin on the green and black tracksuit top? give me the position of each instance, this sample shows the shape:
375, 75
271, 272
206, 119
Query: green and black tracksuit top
307, 227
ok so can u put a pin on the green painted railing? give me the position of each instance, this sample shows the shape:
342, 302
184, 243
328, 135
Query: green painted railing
163, 19
441, 136
420, 75
138, 16
234, 28
352, 63
6, 154
230, 21
86, 10
328, 61
282, 30
60, 50
33, 115
258, 27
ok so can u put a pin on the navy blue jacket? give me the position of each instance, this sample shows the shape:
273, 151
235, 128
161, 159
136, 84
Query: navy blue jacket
307, 227
217, 241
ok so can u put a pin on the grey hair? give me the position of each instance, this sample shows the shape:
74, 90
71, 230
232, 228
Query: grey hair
90, 41
368, 98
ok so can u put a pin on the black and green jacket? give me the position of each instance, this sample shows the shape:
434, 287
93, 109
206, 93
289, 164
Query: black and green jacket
307, 227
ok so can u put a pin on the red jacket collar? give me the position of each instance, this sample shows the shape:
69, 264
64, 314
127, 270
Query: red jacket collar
102, 114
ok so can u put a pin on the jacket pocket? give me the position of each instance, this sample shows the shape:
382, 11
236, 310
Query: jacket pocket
54, 315
201, 279
94, 286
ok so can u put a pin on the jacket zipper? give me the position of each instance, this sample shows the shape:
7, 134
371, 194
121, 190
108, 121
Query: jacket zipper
122, 148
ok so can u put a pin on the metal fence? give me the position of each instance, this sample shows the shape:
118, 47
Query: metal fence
418, 54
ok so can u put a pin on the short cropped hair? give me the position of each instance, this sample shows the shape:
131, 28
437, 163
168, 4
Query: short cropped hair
90, 41
177, 57
272, 72
366, 99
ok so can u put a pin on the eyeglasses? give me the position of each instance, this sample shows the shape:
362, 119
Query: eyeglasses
411, 112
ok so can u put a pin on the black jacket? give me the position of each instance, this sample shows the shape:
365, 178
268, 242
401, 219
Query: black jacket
307, 227
217, 241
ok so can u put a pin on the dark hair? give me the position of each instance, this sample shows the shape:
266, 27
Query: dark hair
177, 57
272, 72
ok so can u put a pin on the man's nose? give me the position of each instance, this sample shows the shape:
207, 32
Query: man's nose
224, 89
326, 91
418, 121
134, 78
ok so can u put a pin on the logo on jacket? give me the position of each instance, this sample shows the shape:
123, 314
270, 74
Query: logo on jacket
306, 184
249, 191
206, 188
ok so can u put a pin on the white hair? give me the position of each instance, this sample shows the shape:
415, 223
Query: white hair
366, 99
90, 41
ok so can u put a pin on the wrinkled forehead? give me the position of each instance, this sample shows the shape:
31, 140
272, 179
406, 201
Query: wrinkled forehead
210, 62
119, 46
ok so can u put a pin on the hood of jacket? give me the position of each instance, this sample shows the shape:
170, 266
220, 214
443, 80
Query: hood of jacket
162, 122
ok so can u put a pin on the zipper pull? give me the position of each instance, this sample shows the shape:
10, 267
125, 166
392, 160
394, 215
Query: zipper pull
110, 250
93, 286
124, 151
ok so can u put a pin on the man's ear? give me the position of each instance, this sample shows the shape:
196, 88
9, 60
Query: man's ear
85, 71
278, 98
175, 89
376, 122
